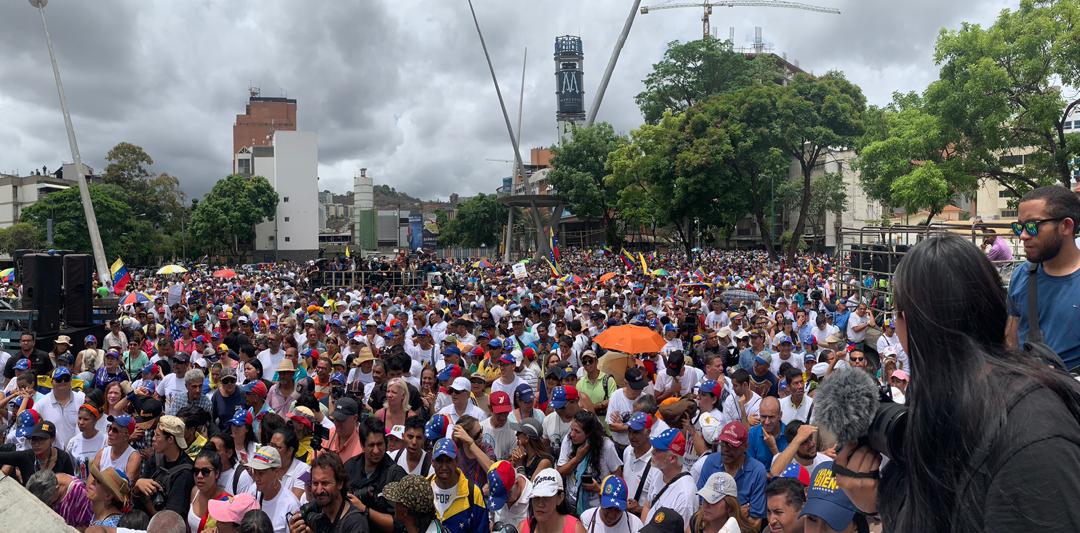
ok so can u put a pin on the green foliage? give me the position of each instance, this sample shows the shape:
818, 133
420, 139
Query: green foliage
692, 72
908, 160
999, 93
579, 171
827, 195
227, 216
812, 116
20, 235
114, 217
128, 165
479, 221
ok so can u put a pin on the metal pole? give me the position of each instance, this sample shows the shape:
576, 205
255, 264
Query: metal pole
84, 189
611, 64
541, 244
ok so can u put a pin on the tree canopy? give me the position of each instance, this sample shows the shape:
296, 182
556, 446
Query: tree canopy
579, 171
479, 221
226, 218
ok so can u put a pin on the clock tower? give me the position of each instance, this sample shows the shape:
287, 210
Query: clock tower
569, 88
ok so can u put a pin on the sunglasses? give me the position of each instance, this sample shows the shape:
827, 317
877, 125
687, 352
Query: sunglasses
858, 359
228, 380
63, 380
203, 472
1032, 226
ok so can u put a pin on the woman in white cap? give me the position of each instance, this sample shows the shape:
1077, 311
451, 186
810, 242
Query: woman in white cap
720, 511
548, 510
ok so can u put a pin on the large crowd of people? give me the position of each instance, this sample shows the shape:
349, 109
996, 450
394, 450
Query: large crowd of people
486, 400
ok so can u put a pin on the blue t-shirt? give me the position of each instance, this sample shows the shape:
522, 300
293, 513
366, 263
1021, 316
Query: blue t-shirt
757, 447
750, 481
1059, 311
840, 320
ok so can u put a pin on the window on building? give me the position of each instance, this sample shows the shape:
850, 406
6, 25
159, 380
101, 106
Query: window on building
1012, 160
1008, 213
270, 238
1005, 193
285, 199
286, 219
286, 239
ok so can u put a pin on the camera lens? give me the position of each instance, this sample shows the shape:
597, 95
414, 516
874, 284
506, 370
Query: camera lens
886, 433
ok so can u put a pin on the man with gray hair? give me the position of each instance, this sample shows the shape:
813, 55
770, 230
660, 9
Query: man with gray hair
192, 396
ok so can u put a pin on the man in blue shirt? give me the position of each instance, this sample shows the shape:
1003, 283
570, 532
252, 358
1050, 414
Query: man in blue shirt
748, 472
767, 438
840, 318
1047, 226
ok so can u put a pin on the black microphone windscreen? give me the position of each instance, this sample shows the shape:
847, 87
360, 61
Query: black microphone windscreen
845, 404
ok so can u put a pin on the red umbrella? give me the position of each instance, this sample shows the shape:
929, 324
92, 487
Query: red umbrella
226, 273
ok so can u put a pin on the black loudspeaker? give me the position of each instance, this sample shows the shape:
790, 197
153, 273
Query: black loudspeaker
901, 251
16, 257
42, 276
78, 289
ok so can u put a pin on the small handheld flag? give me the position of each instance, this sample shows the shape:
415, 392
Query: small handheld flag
120, 276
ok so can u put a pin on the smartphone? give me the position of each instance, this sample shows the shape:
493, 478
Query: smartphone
586, 479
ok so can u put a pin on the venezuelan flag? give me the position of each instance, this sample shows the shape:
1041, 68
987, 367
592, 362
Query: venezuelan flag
699, 274
554, 268
553, 243
627, 258
120, 276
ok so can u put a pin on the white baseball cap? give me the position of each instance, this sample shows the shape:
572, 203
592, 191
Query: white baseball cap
710, 428
719, 485
461, 383
548, 482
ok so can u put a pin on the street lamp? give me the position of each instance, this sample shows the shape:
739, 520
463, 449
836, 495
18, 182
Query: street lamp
84, 189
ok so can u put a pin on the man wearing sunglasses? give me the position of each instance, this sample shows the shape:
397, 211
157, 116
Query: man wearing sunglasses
1047, 227
61, 405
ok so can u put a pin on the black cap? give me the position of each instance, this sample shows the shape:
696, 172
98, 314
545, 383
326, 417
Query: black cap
149, 408
664, 520
181, 357
44, 429
676, 359
635, 378
344, 408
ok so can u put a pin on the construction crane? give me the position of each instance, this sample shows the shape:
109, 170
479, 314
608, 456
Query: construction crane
707, 6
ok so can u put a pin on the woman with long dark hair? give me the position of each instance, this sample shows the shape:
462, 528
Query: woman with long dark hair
992, 436
587, 456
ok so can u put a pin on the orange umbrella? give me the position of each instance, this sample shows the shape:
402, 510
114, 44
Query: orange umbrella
226, 273
630, 339
607, 277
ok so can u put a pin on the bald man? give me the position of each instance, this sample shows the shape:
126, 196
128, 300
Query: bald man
766, 437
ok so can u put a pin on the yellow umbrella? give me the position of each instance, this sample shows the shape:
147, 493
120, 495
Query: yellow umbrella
615, 364
171, 269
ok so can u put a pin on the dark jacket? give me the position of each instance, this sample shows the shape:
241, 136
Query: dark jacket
369, 488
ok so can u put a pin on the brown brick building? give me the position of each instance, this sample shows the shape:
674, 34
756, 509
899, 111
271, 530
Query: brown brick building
263, 117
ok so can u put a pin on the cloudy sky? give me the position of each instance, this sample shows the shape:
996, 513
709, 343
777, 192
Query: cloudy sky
397, 86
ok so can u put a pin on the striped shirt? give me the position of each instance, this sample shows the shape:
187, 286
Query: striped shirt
75, 507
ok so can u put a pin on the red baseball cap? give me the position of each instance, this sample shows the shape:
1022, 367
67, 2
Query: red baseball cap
500, 402
734, 434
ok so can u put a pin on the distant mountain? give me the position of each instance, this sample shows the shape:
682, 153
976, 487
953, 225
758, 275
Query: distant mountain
389, 197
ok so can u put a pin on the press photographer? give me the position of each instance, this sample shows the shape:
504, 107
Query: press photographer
992, 435
329, 511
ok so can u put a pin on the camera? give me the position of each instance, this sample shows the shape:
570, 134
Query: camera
315, 519
318, 436
886, 433
158, 499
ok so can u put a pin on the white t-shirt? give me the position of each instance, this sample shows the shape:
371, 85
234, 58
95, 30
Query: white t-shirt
793, 359
788, 412
690, 377
471, 410
83, 450
270, 362
680, 496
505, 437
516, 512
856, 320
634, 469
619, 405
403, 461
609, 463
555, 429
498, 385
443, 498
753, 406
621, 526
279, 508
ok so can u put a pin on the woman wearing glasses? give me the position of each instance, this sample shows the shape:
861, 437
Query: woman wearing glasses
207, 470
118, 452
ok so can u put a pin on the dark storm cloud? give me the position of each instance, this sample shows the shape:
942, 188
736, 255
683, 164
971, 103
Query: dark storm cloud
397, 86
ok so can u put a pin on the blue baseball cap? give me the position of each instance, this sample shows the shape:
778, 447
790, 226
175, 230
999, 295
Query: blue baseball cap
670, 440
507, 359
444, 446
451, 350
241, 417
826, 500
524, 393
338, 377
27, 420
61, 371
561, 395
22, 364
435, 428
495, 343
640, 421
613, 493
501, 478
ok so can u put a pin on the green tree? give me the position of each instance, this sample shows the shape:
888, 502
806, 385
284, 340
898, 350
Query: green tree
578, 175
128, 165
18, 236
999, 94
225, 219
479, 221
114, 217
691, 72
907, 159
827, 195
813, 115
155, 199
